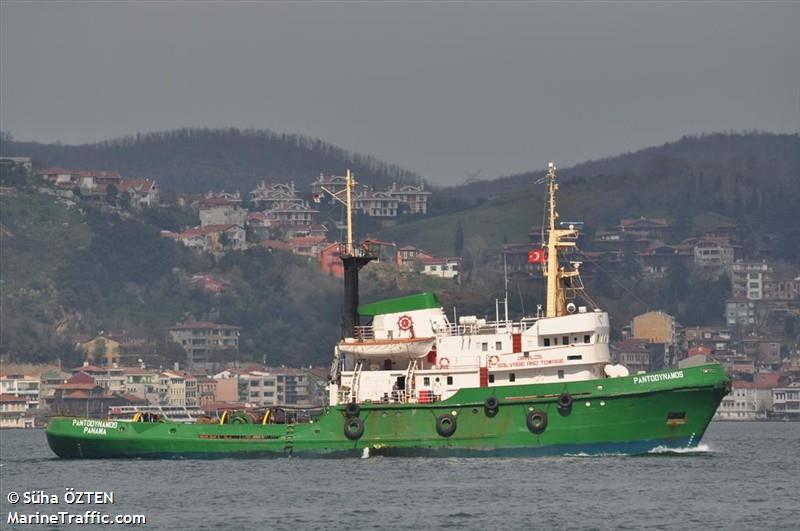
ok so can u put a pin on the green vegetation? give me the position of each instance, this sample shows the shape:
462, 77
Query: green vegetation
197, 160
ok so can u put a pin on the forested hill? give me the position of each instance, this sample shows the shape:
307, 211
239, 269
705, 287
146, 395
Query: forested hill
196, 160
773, 158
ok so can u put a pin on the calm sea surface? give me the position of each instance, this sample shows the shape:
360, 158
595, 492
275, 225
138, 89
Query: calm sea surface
747, 476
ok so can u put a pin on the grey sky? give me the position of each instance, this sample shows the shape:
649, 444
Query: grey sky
437, 88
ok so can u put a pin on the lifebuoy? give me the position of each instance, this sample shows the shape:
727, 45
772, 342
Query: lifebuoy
352, 410
353, 428
537, 421
446, 425
490, 406
444, 363
405, 323
565, 402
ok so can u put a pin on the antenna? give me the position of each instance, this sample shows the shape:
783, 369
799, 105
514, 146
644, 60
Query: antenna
505, 279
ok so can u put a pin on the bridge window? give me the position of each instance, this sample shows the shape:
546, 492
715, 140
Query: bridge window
449, 380
498, 345
484, 347
426, 381
565, 340
587, 338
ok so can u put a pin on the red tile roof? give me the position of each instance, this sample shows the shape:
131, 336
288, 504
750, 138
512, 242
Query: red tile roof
204, 231
11, 399
136, 184
202, 324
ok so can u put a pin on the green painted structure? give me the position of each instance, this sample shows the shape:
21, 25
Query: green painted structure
633, 414
409, 303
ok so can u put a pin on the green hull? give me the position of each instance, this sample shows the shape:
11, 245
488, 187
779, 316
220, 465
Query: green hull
632, 415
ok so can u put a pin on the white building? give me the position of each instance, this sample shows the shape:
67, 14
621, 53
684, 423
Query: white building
143, 192
222, 210
14, 412
786, 402
292, 214
714, 256
377, 204
413, 196
271, 195
750, 279
447, 267
20, 386
745, 402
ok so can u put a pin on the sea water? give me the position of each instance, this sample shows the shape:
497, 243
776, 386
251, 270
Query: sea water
742, 476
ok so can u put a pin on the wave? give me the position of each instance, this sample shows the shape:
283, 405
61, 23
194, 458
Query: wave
700, 449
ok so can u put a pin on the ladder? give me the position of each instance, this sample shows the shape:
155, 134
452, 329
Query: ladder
410, 387
355, 381
288, 445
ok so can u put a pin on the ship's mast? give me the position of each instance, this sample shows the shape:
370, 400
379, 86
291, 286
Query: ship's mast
557, 238
353, 259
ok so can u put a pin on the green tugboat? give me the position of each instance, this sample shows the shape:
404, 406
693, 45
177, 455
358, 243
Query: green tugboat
412, 383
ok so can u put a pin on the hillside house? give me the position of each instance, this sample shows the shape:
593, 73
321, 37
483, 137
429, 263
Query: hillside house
657, 261
314, 230
259, 225
268, 196
292, 214
215, 239
201, 340
333, 183
222, 209
652, 229
60, 177
376, 204
413, 197
309, 246
713, 256
143, 192
750, 278
444, 267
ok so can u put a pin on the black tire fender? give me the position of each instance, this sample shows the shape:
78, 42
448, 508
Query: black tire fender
537, 421
352, 410
490, 406
565, 401
353, 428
446, 425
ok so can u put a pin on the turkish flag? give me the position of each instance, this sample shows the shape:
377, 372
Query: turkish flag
537, 256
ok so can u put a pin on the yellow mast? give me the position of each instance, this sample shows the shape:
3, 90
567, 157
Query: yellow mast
553, 274
350, 183
349, 203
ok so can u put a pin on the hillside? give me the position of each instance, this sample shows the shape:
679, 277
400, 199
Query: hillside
752, 179
758, 156
197, 160
70, 270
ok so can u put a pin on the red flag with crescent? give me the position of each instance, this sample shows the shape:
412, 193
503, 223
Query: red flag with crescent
537, 256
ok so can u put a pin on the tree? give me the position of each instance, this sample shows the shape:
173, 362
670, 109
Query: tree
125, 200
458, 244
111, 194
